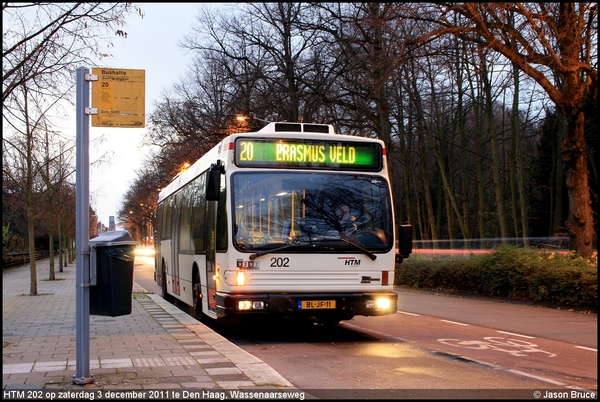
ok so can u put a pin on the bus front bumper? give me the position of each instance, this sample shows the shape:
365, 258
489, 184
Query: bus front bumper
342, 305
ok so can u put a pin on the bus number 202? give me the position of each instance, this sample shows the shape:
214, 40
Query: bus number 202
280, 262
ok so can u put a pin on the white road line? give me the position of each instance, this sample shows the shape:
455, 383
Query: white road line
583, 347
511, 333
457, 323
404, 312
548, 380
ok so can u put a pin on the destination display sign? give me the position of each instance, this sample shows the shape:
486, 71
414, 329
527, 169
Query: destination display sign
347, 155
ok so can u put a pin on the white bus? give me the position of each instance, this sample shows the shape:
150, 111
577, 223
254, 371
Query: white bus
290, 221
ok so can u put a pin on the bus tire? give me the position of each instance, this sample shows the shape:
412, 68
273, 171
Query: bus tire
197, 293
163, 285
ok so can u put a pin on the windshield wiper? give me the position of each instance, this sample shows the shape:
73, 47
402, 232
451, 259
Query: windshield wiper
345, 240
270, 250
273, 250
364, 250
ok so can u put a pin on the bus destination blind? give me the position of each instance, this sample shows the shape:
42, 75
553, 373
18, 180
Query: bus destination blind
308, 154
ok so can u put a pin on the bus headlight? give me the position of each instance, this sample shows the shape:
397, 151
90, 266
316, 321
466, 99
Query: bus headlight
380, 303
251, 305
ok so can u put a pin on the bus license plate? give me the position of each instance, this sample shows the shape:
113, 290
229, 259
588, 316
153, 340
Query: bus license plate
316, 304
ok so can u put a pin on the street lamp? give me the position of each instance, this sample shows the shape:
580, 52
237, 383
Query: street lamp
184, 167
243, 118
249, 123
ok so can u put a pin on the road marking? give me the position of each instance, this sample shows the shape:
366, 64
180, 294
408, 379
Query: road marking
457, 323
404, 312
538, 377
512, 333
517, 347
583, 347
493, 365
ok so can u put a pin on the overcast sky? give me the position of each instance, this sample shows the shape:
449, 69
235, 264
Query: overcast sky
151, 45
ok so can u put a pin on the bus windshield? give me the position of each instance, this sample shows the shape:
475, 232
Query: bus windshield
295, 212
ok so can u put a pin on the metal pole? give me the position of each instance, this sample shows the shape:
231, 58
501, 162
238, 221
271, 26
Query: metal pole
82, 231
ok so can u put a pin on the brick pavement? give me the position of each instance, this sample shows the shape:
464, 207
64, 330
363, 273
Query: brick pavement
156, 347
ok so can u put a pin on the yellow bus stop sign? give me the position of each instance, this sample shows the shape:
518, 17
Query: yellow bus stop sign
120, 97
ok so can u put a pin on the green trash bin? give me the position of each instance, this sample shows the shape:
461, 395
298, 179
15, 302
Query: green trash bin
111, 273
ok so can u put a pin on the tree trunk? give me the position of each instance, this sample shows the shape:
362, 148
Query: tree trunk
450, 215
517, 186
430, 216
479, 139
512, 165
464, 181
29, 198
480, 190
580, 225
60, 248
519, 162
31, 234
449, 193
498, 190
51, 273
557, 181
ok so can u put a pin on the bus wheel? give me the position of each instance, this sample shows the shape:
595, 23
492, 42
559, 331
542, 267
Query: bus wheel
163, 285
197, 294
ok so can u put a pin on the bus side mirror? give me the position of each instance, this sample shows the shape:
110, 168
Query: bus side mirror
213, 181
405, 242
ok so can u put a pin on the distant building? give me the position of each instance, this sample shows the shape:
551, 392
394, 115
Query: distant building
111, 223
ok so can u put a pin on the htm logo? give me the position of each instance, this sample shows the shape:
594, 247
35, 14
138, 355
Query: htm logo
352, 262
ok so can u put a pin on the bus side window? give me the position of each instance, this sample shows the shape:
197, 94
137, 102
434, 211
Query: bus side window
158, 226
198, 212
185, 234
166, 223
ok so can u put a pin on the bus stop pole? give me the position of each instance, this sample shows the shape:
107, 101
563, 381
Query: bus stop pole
82, 231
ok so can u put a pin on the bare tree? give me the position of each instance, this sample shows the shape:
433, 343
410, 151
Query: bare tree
362, 47
42, 45
263, 52
57, 169
139, 205
441, 103
19, 160
65, 197
555, 44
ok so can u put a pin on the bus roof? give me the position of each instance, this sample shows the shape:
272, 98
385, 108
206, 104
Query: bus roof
276, 127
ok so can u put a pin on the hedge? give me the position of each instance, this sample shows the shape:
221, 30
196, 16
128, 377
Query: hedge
546, 278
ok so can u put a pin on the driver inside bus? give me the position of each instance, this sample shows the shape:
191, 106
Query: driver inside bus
347, 221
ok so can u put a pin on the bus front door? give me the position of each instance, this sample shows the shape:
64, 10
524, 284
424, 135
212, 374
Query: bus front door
211, 237
176, 226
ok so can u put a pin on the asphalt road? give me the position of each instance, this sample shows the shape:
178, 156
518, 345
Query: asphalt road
513, 316
435, 342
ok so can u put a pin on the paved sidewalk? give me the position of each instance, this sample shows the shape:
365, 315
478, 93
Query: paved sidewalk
156, 347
